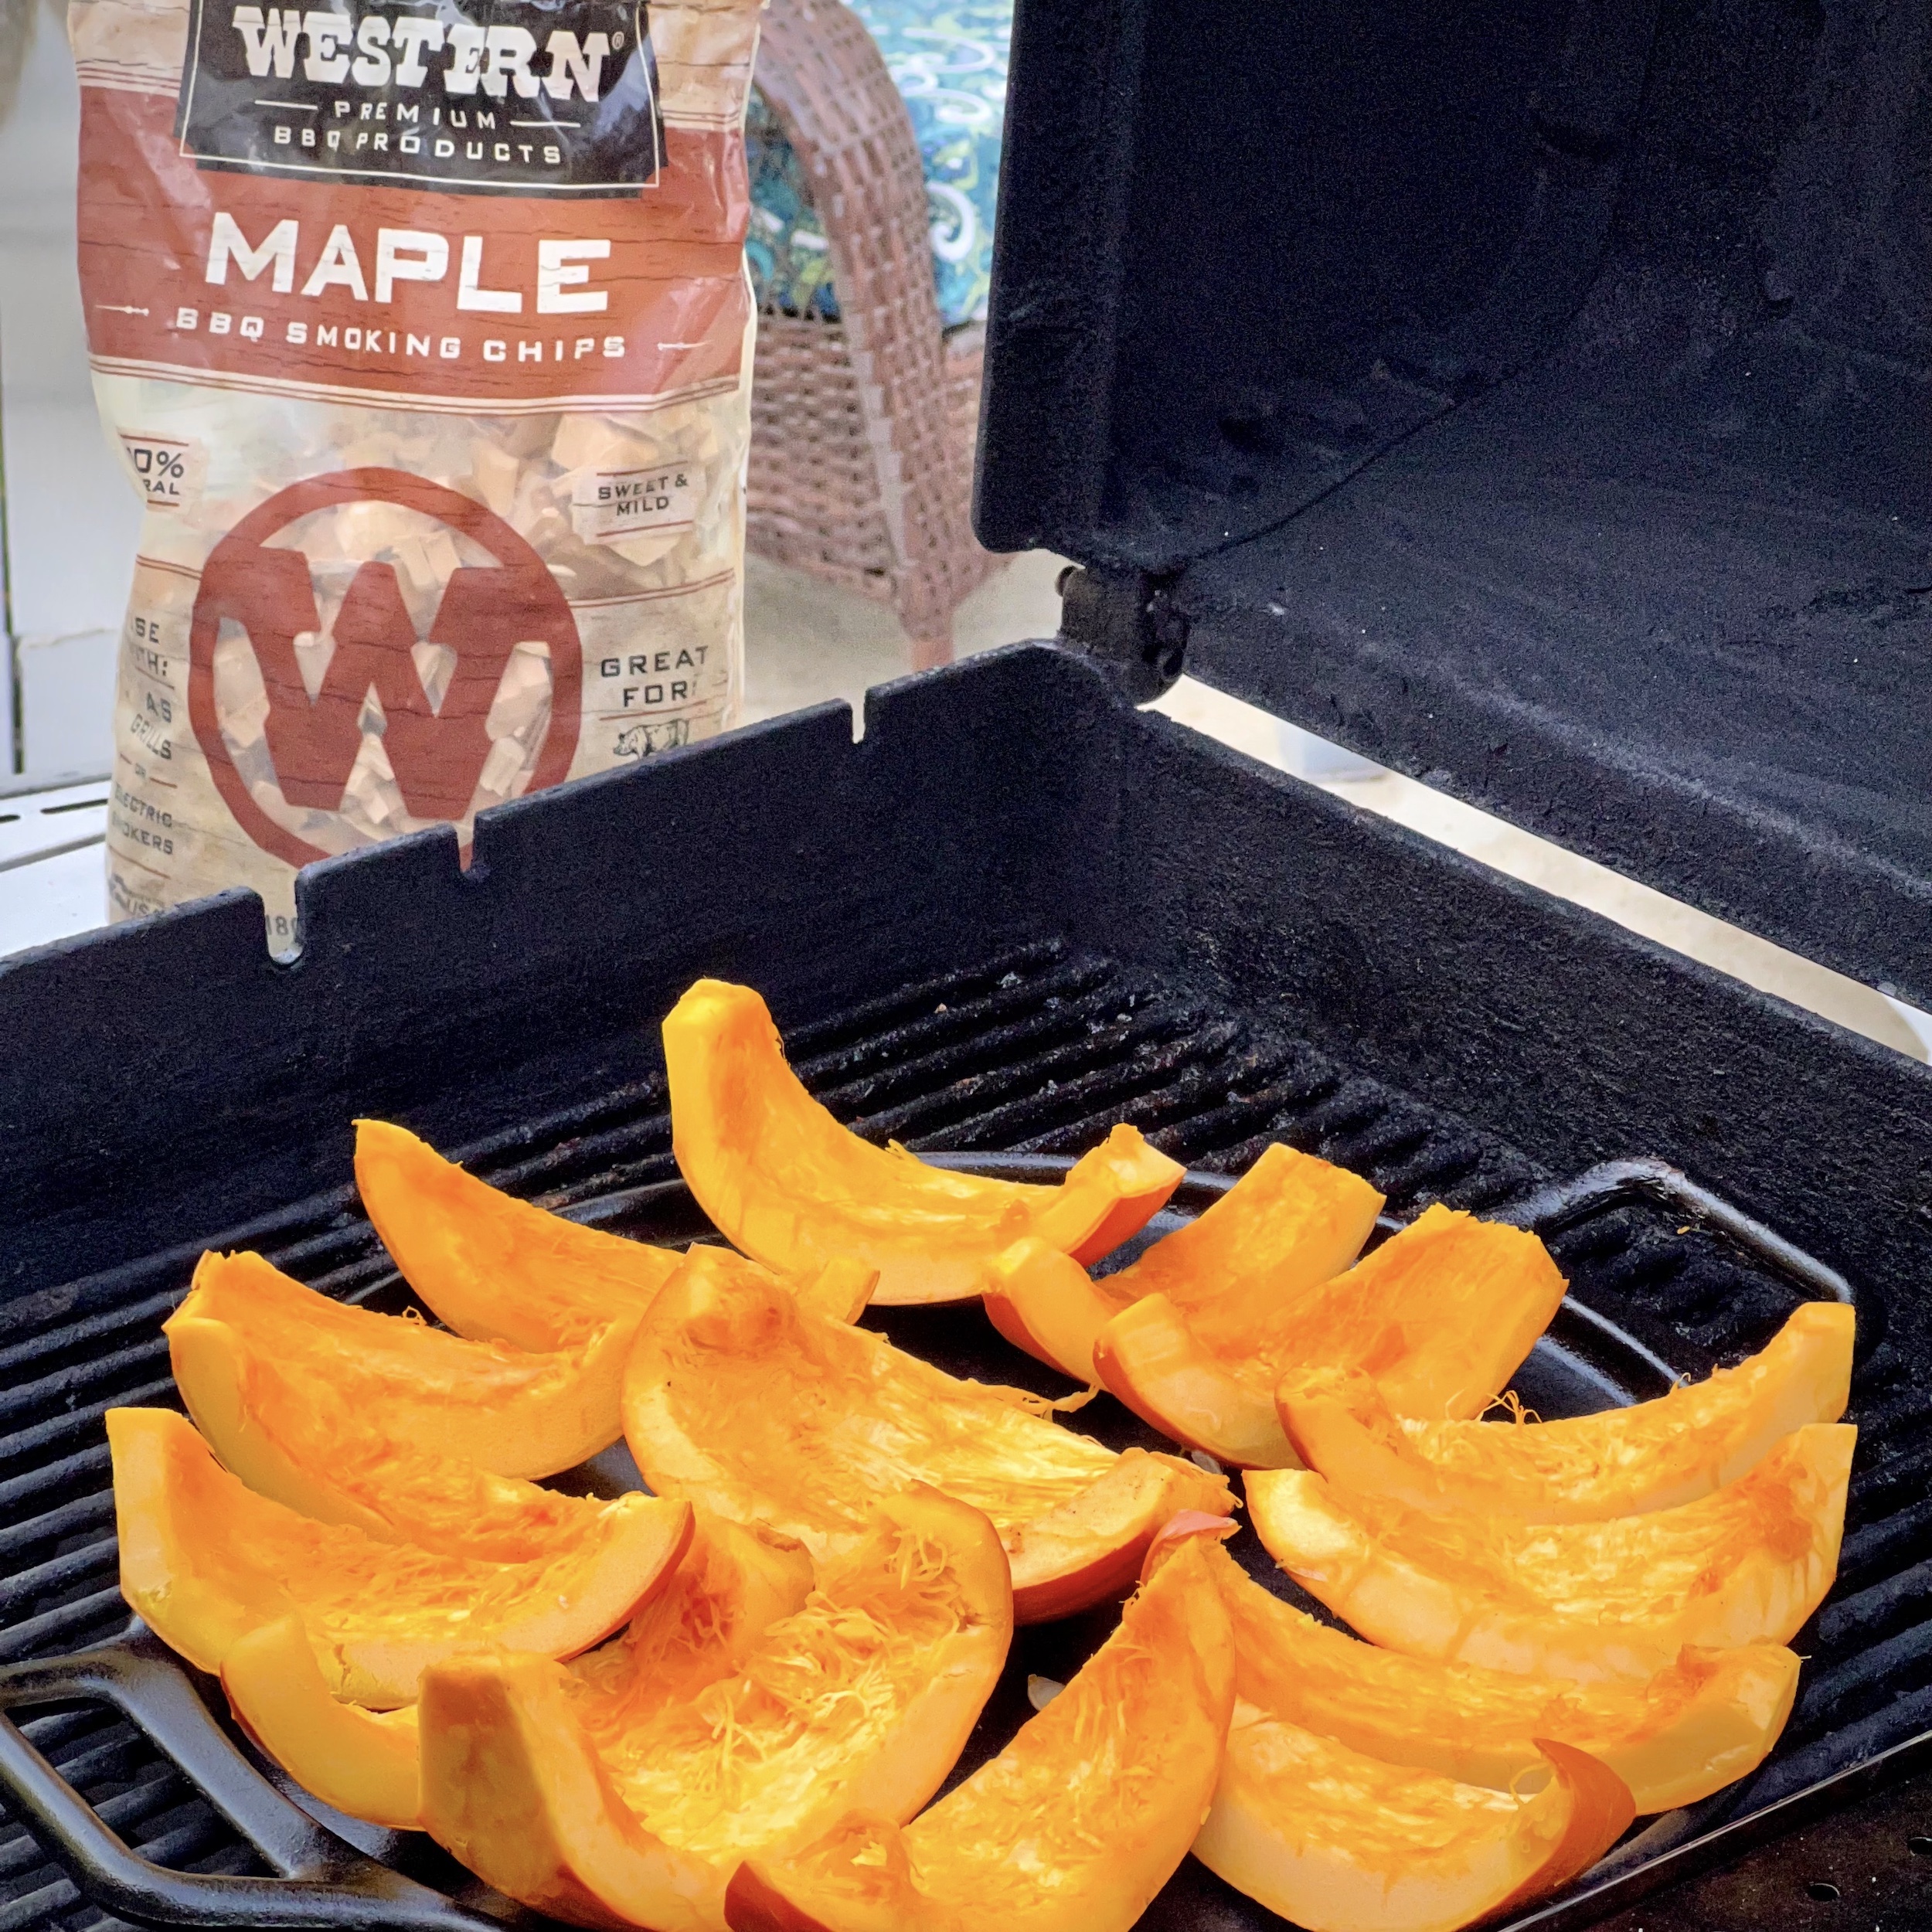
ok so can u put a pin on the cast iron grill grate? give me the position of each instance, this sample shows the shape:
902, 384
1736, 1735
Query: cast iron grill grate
1036, 1051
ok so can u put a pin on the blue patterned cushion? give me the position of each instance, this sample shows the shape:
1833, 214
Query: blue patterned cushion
948, 59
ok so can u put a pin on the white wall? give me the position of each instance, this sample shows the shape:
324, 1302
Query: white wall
72, 517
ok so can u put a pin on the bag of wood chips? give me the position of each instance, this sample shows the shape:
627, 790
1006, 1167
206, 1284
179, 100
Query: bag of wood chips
423, 327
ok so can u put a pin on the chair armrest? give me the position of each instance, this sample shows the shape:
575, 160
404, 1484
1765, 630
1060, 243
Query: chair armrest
825, 80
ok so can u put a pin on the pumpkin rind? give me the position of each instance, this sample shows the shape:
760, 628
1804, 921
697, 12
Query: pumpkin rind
1045, 1302
1290, 1223
732, 1586
1072, 1828
503, 1408
1625, 1462
1587, 1600
738, 1398
204, 1561
1441, 1315
1151, 1359
1337, 1842
786, 1183
491, 1266
862, 1700
1708, 1719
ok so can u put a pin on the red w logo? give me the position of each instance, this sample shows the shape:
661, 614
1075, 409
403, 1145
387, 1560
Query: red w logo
437, 752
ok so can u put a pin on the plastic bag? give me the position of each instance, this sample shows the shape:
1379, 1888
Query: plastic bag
423, 326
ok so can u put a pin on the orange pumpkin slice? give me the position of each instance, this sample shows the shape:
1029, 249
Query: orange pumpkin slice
785, 1182
363, 1763
1654, 1455
732, 1586
862, 1700
1587, 1600
1440, 1315
1290, 1223
1339, 1842
1072, 1828
739, 1399
515, 1413
491, 1266
328, 1456
205, 1560
1707, 1719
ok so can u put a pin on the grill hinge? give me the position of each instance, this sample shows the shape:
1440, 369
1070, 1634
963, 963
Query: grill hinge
1128, 622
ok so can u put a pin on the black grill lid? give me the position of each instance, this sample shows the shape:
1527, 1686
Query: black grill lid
1535, 395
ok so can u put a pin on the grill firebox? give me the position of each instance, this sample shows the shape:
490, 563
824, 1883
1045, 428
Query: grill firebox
1034, 1051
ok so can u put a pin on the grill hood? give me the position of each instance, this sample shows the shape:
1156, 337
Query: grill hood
1534, 396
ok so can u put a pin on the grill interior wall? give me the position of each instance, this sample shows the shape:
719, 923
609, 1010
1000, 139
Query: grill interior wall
160, 1084
1554, 1029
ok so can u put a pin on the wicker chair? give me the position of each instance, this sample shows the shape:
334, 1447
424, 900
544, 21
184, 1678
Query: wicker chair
863, 429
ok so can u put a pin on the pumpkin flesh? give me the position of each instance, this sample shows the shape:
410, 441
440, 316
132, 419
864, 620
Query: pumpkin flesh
493, 1267
1290, 1223
1625, 1462
784, 1183
861, 1700
1587, 1601
1337, 1842
1704, 1721
205, 1560
1440, 1315
487, 1403
738, 1398
1072, 1828
301, 1443
732, 1586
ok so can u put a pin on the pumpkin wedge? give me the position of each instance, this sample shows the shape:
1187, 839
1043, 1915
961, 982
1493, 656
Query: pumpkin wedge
1440, 1315
1339, 1842
493, 1267
786, 1183
862, 1700
1653, 1455
361, 1762
732, 1586
205, 1560
1701, 1723
303, 1444
1587, 1600
1072, 1828
739, 1399
1290, 1223
509, 1411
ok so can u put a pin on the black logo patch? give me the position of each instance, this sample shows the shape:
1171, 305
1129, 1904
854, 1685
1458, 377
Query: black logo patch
477, 96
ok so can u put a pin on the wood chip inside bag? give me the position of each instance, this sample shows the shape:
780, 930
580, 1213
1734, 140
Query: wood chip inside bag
425, 337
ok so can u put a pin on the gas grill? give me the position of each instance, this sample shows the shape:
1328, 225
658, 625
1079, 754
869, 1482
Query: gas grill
1530, 394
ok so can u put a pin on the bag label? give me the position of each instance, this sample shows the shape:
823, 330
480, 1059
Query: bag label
168, 469
610, 506
473, 97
